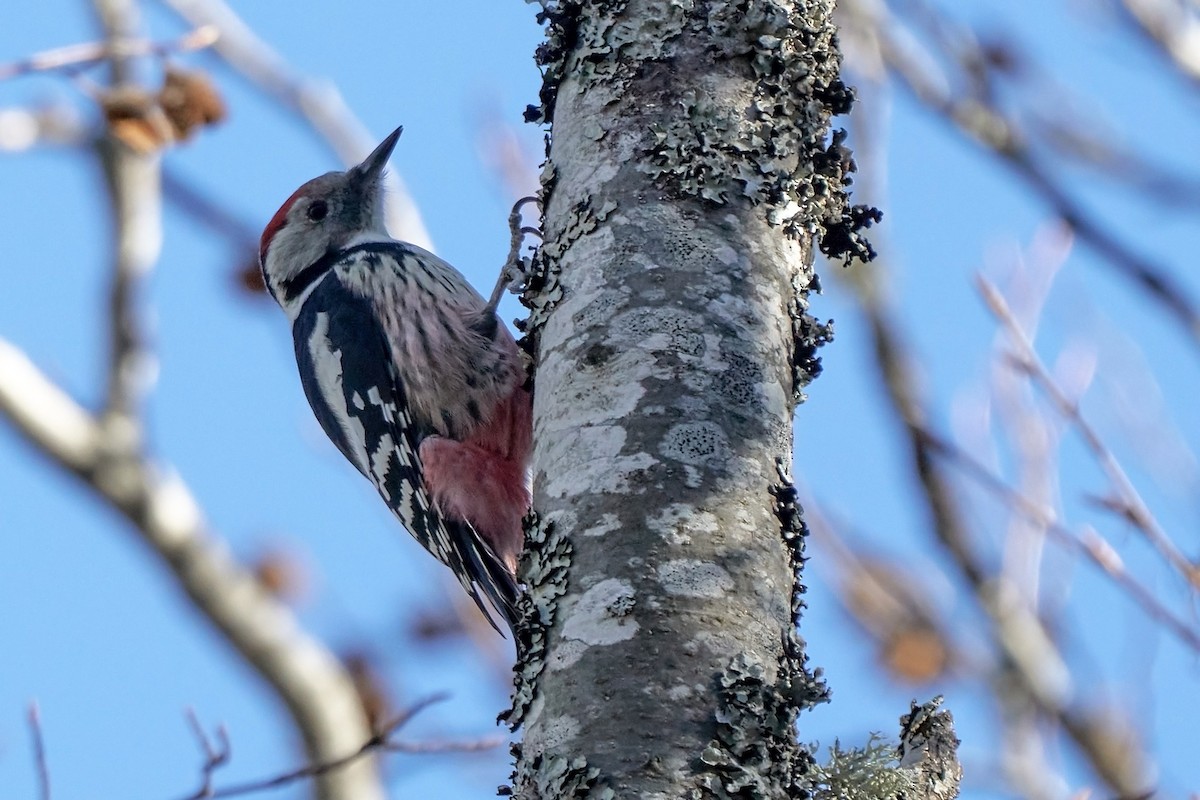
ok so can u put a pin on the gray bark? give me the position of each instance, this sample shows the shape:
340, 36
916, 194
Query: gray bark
689, 172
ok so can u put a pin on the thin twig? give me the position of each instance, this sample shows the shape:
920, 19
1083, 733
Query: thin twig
1094, 547
315, 688
77, 56
1129, 500
980, 120
381, 740
1172, 29
39, 751
215, 756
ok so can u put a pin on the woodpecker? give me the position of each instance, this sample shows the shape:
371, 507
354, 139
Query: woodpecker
409, 372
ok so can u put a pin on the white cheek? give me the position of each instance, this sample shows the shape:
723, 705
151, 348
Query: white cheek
291, 251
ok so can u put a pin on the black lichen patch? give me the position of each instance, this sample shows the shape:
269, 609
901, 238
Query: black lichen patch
543, 569
573, 28
699, 443
543, 291
561, 18
805, 687
843, 238
808, 335
556, 777
740, 385
755, 754
773, 147
676, 324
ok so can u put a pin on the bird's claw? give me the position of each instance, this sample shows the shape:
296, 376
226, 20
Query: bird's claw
516, 269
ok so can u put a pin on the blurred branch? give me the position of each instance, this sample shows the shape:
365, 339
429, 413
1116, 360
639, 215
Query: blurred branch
977, 116
318, 693
24, 128
106, 452
209, 212
1030, 657
136, 200
1173, 28
1128, 502
39, 751
892, 604
1031, 670
1082, 142
1041, 673
1089, 543
1033, 437
83, 55
216, 756
1056, 124
318, 103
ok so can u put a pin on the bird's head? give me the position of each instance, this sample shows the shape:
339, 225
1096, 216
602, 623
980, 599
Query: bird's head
323, 216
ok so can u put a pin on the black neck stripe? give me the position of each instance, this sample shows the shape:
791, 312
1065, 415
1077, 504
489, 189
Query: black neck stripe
309, 275
306, 277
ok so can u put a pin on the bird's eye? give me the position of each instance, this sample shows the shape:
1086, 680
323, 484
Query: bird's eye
317, 211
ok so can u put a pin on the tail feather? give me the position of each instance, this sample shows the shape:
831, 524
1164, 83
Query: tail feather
486, 571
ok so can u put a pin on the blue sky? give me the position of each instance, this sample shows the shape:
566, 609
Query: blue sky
91, 628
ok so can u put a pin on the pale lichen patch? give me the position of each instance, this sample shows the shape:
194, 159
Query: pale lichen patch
604, 471
699, 443
678, 522
680, 693
601, 615
608, 523
691, 578
595, 399
565, 654
558, 732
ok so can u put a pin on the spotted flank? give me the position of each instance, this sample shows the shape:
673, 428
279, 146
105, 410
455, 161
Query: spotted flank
349, 376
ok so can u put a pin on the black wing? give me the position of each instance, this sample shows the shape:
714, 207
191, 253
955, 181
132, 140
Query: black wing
351, 383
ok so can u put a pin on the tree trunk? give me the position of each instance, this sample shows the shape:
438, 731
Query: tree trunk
689, 172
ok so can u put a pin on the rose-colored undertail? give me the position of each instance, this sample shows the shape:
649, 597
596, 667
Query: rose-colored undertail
482, 480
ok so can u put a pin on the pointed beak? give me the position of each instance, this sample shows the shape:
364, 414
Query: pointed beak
372, 166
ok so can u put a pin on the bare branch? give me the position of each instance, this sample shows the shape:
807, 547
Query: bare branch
1090, 544
976, 116
382, 740
318, 103
1128, 500
214, 756
1173, 28
318, 693
133, 183
77, 56
39, 751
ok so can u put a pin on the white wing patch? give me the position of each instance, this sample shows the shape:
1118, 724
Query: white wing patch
327, 364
